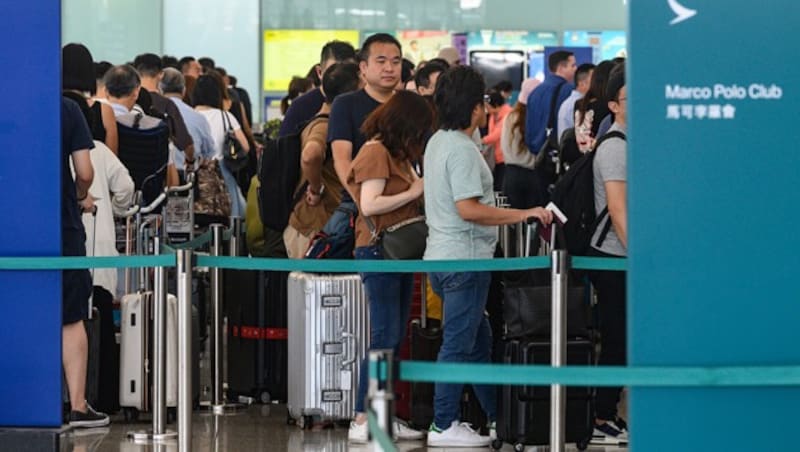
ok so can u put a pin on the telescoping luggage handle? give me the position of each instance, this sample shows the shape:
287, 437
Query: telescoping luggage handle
94, 248
558, 332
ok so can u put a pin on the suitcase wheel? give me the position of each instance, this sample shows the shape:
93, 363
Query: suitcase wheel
289, 419
130, 414
265, 397
497, 444
582, 444
305, 422
519, 447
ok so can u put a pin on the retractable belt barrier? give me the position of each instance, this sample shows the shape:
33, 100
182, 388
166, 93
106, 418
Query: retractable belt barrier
506, 374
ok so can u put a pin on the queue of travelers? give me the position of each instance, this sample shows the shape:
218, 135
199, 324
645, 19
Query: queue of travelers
385, 153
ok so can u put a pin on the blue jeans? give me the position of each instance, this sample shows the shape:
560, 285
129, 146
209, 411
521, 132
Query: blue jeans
238, 203
467, 338
389, 299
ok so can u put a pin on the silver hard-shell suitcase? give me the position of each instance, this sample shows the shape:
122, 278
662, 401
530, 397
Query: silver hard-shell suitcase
328, 339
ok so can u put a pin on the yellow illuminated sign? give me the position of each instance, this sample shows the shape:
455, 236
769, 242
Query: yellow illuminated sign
293, 52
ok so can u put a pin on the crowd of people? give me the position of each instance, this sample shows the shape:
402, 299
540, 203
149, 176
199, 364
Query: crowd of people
200, 104
403, 144
383, 139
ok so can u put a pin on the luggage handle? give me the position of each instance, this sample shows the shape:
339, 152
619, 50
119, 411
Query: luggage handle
423, 290
351, 338
94, 247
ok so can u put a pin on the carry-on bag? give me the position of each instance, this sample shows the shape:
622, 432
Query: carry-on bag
136, 349
527, 294
328, 340
255, 304
523, 412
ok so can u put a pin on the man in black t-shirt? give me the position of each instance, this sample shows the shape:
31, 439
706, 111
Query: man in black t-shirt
381, 63
306, 106
76, 141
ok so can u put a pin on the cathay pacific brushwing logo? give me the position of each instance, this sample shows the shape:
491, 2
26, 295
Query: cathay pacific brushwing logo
681, 12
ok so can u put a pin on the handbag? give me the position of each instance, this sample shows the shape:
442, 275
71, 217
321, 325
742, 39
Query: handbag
234, 156
211, 195
403, 240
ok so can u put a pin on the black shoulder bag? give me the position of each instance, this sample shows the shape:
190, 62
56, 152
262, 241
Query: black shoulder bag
234, 156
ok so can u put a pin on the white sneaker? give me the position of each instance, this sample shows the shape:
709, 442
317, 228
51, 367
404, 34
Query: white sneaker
610, 433
458, 435
358, 434
402, 432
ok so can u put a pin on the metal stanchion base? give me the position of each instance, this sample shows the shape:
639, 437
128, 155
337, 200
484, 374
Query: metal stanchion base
144, 436
222, 409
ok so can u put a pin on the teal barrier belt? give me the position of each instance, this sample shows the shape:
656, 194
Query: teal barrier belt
74, 263
599, 263
359, 265
598, 376
378, 434
197, 242
167, 259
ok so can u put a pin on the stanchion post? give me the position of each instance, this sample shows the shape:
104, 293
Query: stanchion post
216, 324
218, 405
159, 361
381, 392
558, 347
184, 280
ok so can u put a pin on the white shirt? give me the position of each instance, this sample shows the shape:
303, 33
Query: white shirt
215, 122
515, 151
565, 112
112, 189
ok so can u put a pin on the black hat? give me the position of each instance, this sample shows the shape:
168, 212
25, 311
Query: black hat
77, 68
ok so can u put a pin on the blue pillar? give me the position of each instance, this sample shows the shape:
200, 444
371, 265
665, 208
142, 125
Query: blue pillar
713, 210
30, 193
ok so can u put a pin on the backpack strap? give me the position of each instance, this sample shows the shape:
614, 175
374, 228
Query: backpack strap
604, 213
553, 101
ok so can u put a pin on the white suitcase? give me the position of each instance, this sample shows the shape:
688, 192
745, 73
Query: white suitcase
328, 339
134, 356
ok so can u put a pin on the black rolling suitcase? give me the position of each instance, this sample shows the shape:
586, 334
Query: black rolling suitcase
523, 412
425, 344
256, 307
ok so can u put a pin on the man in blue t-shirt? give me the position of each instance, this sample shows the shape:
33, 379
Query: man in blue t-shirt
76, 141
306, 106
562, 67
381, 62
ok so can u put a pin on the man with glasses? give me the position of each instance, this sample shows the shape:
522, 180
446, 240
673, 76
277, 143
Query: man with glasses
611, 240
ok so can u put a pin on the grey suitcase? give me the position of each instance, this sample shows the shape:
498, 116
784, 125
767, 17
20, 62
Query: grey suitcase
328, 339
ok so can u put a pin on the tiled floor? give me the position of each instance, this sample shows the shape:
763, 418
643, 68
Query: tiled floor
259, 428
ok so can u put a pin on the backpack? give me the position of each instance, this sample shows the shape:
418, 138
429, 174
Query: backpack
574, 195
336, 240
144, 150
279, 175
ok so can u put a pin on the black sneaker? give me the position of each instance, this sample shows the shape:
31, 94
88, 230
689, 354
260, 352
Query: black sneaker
90, 418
